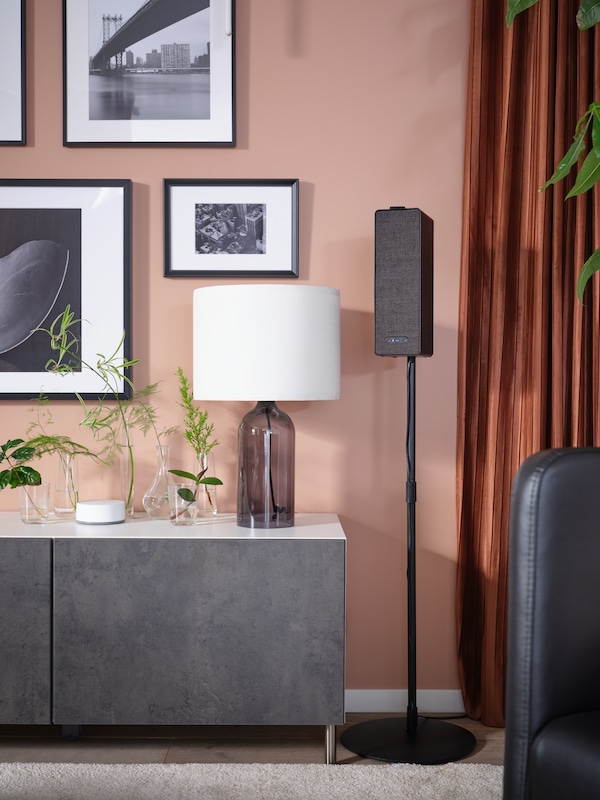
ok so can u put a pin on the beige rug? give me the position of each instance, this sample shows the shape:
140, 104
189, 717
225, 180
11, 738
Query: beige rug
249, 781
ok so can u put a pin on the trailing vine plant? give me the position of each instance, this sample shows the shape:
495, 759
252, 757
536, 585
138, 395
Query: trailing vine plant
16, 454
110, 424
44, 442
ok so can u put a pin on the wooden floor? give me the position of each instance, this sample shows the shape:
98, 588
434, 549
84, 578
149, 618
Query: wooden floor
207, 744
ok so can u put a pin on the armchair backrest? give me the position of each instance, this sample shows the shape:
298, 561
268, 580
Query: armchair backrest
553, 600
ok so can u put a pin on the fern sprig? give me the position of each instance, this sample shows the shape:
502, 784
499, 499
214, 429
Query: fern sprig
197, 430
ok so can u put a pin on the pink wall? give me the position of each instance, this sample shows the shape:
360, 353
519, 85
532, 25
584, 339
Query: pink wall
364, 102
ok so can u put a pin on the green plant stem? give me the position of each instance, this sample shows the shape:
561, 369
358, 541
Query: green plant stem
105, 422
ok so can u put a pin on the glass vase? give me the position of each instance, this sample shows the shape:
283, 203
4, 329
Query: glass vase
34, 502
66, 486
156, 497
191, 505
206, 494
127, 470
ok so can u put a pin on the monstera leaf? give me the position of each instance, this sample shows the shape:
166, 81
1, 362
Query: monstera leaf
30, 280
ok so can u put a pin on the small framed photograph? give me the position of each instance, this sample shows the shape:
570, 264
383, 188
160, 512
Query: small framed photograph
231, 228
12, 76
149, 73
63, 243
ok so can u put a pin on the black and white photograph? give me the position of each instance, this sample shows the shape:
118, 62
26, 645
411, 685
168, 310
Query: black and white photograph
63, 244
149, 72
231, 228
12, 75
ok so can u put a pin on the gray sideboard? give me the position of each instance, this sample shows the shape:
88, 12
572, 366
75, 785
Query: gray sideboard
25, 630
153, 624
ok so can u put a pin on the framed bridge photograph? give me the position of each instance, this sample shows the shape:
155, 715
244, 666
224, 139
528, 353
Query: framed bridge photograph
156, 72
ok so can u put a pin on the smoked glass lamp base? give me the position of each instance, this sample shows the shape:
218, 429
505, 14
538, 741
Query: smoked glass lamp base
266, 441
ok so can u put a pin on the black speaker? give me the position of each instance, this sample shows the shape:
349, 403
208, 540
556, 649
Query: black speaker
403, 282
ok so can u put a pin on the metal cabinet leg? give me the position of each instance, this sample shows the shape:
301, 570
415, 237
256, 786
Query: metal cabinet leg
330, 755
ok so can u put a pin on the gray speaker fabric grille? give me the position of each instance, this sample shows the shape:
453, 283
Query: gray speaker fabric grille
403, 283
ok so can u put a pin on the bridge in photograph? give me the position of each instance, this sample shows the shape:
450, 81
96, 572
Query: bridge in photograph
153, 16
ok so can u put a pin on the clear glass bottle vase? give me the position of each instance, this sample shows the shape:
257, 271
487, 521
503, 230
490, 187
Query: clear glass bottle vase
66, 486
156, 497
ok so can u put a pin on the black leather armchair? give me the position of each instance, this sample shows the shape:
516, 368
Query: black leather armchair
552, 745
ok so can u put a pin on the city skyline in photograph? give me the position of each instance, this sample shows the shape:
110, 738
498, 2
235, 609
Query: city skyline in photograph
193, 31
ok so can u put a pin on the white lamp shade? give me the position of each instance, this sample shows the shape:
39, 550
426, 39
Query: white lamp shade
266, 342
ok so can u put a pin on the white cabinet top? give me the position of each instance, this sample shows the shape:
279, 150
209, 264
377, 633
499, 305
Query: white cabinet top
223, 526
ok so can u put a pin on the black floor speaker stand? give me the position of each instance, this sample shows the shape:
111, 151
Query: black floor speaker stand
414, 739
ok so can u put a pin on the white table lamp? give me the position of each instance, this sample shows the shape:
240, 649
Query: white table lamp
272, 341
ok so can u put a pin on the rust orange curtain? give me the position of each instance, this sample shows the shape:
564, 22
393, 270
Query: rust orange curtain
528, 369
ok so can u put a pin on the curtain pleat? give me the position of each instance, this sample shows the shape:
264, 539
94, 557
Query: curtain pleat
528, 351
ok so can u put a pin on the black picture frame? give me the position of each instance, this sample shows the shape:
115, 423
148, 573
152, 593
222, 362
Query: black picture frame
12, 76
231, 228
146, 95
63, 242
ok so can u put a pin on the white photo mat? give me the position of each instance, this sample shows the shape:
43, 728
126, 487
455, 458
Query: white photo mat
79, 129
105, 268
12, 76
279, 197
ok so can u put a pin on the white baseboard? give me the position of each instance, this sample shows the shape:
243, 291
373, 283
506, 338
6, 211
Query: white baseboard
431, 701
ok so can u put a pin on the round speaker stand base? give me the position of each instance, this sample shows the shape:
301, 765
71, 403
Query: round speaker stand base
433, 742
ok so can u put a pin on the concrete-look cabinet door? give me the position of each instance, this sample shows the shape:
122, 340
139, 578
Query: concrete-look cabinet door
25, 630
199, 631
